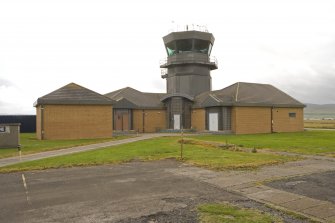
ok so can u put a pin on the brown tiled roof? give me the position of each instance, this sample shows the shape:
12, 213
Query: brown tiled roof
74, 94
131, 98
238, 94
247, 94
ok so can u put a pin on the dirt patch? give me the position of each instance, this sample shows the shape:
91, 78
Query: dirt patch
218, 145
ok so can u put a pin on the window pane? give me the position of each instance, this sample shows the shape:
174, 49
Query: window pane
171, 48
292, 114
184, 45
201, 46
210, 49
170, 51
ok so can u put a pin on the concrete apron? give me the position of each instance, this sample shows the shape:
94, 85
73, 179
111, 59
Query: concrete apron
248, 183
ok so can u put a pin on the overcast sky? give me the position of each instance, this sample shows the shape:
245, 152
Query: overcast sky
107, 45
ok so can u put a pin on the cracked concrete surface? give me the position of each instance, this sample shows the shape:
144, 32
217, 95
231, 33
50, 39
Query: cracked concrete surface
159, 191
138, 192
248, 183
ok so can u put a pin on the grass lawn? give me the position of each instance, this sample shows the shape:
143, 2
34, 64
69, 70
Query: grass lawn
307, 142
217, 213
154, 149
320, 124
29, 144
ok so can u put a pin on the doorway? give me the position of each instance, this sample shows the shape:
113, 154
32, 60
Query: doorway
213, 122
122, 119
176, 121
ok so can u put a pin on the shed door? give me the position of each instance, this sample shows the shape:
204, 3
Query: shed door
176, 121
213, 122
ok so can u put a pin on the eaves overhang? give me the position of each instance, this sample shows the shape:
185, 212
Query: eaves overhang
41, 101
177, 95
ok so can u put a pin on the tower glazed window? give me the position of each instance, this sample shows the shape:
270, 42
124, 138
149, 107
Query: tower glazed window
171, 48
184, 45
187, 46
202, 46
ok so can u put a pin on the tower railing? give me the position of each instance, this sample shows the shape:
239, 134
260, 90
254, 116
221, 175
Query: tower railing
211, 60
163, 61
188, 27
164, 72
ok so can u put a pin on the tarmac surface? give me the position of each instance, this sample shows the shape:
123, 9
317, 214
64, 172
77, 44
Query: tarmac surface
162, 191
318, 186
130, 192
252, 184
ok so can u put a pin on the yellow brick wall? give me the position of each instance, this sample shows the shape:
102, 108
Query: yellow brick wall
251, 120
77, 121
198, 119
233, 120
283, 123
138, 120
38, 123
154, 119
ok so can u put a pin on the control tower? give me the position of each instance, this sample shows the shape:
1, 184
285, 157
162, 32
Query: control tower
187, 72
188, 63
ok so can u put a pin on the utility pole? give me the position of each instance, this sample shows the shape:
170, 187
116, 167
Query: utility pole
19, 150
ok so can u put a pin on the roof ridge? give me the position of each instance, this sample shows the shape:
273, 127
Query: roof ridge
73, 93
237, 88
94, 92
215, 98
286, 94
117, 92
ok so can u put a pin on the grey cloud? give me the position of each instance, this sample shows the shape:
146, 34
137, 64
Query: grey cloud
158, 84
318, 90
322, 83
5, 82
4, 108
316, 83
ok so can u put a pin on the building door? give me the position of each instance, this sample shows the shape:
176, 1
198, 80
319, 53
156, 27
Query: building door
118, 122
176, 121
213, 122
122, 119
125, 122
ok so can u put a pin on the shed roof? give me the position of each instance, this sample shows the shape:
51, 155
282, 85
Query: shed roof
247, 94
74, 94
130, 98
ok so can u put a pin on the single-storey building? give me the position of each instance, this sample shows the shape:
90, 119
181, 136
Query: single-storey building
74, 112
242, 108
189, 102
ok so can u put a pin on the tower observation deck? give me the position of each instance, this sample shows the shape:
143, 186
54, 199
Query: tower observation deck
188, 63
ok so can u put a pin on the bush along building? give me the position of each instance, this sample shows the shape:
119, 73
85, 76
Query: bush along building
189, 102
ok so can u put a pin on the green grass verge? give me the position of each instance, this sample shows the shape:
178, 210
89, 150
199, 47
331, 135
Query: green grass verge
320, 124
155, 149
29, 144
225, 213
308, 142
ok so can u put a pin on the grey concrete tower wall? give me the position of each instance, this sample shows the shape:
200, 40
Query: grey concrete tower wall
188, 63
190, 79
